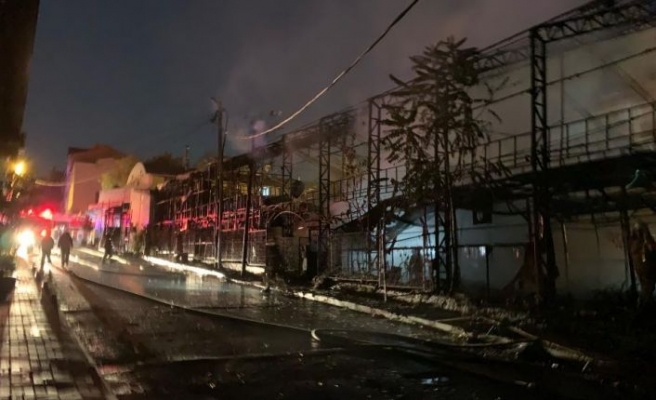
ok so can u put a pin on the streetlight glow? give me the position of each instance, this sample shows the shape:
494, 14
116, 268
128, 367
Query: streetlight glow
19, 168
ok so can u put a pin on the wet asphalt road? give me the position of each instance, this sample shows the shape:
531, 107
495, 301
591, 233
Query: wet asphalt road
148, 350
227, 298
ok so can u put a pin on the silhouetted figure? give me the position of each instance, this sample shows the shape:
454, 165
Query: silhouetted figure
311, 255
643, 254
65, 243
109, 249
179, 248
47, 244
416, 266
148, 233
435, 274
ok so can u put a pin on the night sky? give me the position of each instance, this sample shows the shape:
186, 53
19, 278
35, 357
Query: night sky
139, 74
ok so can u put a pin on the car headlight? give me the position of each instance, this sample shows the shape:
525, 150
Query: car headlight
26, 238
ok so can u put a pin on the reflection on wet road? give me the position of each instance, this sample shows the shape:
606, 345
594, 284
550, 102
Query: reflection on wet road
150, 350
212, 294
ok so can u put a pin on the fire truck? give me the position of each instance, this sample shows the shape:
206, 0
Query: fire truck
31, 226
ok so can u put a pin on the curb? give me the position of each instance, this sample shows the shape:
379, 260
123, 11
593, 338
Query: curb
435, 324
408, 319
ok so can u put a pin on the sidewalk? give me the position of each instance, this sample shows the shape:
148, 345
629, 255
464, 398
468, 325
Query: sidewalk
38, 359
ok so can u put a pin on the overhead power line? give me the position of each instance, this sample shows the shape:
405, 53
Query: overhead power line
338, 77
572, 76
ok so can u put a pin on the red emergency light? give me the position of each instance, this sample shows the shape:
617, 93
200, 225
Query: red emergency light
46, 214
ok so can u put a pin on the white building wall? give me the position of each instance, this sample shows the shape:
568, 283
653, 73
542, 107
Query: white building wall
113, 197
138, 199
82, 186
594, 265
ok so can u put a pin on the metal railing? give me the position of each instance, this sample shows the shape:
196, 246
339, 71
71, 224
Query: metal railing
607, 135
620, 132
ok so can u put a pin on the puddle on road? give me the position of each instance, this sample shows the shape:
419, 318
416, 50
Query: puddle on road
435, 381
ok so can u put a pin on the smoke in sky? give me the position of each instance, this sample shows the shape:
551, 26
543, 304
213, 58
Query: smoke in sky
286, 66
138, 75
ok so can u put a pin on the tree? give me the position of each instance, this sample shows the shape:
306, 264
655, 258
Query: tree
435, 132
118, 177
165, 164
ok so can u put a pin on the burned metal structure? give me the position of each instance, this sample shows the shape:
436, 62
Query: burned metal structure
578, 119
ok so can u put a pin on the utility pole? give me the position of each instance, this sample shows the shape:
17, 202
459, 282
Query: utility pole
186, 158
219, 182
247, 224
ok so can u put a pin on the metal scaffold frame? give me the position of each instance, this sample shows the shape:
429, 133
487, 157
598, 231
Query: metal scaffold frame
286, 168
373, 176
324, 192
532, 162
634, 15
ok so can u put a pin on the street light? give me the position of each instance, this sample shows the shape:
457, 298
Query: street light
19, 168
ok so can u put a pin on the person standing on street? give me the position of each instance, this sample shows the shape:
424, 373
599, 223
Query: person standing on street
65, 244
109, 249
47, 244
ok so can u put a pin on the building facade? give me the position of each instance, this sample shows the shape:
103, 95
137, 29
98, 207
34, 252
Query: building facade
84, 169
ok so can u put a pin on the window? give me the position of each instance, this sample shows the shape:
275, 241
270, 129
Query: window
266, 191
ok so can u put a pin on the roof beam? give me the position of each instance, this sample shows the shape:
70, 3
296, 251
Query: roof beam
635, 15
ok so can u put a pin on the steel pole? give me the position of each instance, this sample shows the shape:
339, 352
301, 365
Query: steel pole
219, 182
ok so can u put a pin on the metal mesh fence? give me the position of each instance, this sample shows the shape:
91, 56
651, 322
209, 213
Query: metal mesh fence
232, 247
411, 266
294, 260
199, 245
404, 266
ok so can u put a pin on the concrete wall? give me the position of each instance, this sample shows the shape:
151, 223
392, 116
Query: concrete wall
83, 184
595, 255
81, 188
596, 259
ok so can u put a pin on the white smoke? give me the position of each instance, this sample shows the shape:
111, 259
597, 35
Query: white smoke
258, 127
284, 68
237, 142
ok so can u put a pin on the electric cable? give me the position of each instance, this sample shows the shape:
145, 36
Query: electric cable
338, 77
